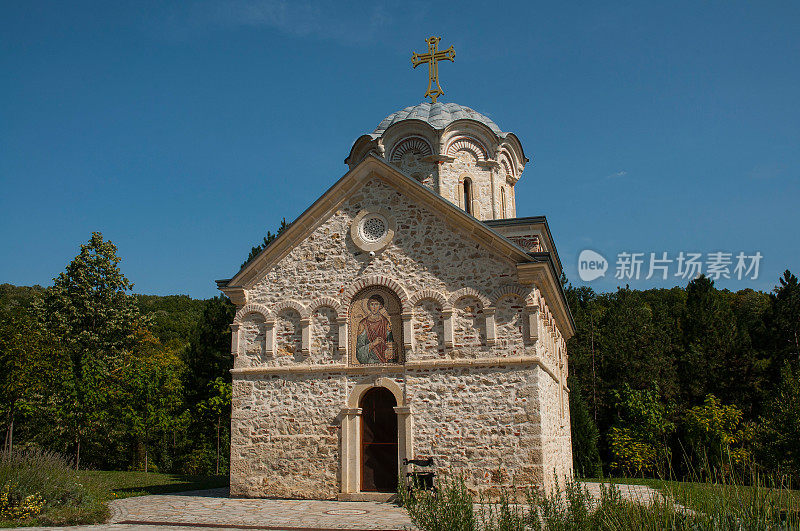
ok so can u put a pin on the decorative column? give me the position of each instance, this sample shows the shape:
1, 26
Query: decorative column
351, 436
269, 338
491, 329
341, 321
305, 344
235, 339
533, 323
408, 332
447, 316
405, 449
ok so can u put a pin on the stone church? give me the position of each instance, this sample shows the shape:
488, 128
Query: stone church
407, 313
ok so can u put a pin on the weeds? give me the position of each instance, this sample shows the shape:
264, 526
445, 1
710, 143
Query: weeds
572, 507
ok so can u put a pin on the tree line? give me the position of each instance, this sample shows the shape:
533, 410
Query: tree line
663, 381
686, 381
115, 380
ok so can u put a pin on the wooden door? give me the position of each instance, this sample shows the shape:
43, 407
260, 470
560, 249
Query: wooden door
378, 441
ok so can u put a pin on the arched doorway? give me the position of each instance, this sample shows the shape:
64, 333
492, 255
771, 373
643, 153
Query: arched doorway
378, 441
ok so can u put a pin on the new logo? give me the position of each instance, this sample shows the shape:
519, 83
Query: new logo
591, 265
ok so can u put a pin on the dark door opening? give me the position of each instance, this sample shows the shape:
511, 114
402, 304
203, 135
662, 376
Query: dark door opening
378, 441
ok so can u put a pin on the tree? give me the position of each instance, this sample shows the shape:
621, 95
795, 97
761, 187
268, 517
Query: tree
217, 405
90, 311
25, 366
207, 358
715, 434
783, 324
778, 433
585, 456
268, 239
710, 334
150, 394
639, 438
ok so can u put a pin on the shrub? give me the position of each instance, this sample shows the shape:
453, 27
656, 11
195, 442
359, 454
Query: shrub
43, 486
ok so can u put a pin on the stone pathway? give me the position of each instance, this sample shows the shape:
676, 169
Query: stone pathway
638, 493
212, 510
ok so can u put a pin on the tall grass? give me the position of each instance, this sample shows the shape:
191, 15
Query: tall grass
572, 507
65, 497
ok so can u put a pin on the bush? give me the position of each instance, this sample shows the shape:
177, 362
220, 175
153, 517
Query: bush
42, 487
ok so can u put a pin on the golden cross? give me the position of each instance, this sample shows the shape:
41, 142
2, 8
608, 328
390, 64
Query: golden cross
432, 58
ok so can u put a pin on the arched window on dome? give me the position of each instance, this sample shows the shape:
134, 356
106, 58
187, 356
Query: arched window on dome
503, 209
466, 200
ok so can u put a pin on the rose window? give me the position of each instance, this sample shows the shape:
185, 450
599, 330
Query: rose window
373, 228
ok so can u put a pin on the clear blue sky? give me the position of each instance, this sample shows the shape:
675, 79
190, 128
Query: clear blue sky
184, 131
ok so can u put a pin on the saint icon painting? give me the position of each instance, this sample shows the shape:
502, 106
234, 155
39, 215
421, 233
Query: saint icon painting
375, 327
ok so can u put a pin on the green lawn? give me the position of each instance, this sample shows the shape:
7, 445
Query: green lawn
706, 496
127, 484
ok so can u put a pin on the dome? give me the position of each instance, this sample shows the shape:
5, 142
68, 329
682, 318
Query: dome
437, 115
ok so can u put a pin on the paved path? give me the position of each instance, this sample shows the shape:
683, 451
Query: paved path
212, 510
638, 493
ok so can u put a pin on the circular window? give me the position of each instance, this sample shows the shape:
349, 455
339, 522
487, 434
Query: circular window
373, 228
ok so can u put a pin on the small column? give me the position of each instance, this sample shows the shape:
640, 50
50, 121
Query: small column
447, 316
269, 338
405, 449
491, 330
350, 443
235, 339
533, 323
408, 331
305, 344
341, 321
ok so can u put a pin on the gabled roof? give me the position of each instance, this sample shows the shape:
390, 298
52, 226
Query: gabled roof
375, 167
531, 221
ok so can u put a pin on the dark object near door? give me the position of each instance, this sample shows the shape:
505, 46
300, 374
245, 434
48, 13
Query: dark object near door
421, 480
428, 461
378, 441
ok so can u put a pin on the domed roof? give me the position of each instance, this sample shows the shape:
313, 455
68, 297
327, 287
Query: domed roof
437, 115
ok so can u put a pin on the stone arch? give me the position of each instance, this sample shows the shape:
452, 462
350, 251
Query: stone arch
511, 319
327, 302
412, 144
469, 292
376, 280
505, 150
428, 326
430, 294
506, 291
289, 329
368, 383
507, 165
468, 144
324, 330
469, 320
284, 305
249, 308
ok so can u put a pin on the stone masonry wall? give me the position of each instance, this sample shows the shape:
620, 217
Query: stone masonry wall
498, 424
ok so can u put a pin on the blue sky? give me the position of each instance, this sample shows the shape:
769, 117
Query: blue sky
184, 131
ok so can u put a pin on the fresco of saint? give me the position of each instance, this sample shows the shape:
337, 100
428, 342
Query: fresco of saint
374, 340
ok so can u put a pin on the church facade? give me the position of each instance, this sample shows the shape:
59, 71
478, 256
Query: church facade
408, 313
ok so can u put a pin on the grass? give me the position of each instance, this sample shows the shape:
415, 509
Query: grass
685, 506
702, 496
128, 484
69, 497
